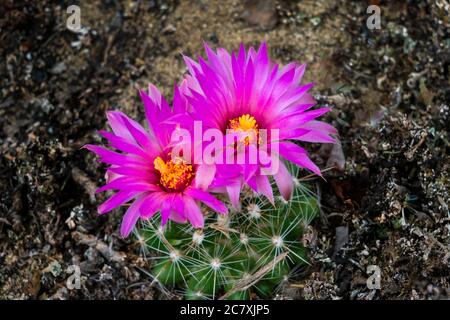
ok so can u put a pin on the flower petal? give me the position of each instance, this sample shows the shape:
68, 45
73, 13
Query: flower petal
284, 181
193, 212
115, 120
320, 126
207, 199
117, 200
134, 171
204, 176
233, 191
156, 112
298, 155
124, 145
166, 207
297, 120
128, 183
152, 204
177, 214
131, 217
263, 186
142, 137
111, 157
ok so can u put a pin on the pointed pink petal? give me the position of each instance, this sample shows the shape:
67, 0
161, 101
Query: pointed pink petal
193, 212
292, 97
130, 218
115, 120
134, 171
142, 137
193, 67
252, 184
117, 200
124, 145
296, 121
111, 157
233, 191
166, 207
284, 181
250, 170
178, 214
320, 126
264, 187
315, 136
298, 155
152, 204
299, 72
175, 216
207, 199
292, 133
204, 175
110, 176
180, 104
128, 183
155, 116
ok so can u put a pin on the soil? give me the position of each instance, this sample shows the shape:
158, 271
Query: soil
384, 202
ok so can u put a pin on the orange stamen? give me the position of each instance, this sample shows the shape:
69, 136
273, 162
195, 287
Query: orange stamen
174, 176
246, 124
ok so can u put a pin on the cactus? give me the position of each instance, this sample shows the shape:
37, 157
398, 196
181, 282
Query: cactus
250, 251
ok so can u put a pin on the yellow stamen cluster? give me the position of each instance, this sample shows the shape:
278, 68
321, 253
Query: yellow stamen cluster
245, 123
174, 176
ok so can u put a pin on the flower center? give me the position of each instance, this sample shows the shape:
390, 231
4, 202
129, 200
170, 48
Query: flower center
174, 176
245, 124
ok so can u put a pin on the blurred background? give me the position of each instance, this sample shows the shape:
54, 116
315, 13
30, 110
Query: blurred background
384, 202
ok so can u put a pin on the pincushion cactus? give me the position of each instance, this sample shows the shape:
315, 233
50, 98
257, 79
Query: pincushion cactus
250, 251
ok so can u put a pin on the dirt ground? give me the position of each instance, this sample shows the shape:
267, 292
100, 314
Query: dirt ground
385, 203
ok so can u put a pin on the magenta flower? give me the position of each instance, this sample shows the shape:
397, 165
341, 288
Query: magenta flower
245, 93
143, 170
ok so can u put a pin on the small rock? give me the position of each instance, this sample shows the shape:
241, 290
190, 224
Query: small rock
169, 29
54, 268
341, 238
58, 68
261, 13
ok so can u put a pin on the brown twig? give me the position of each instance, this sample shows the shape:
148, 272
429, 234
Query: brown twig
223, 229
106, 251
247, 282
313, 175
